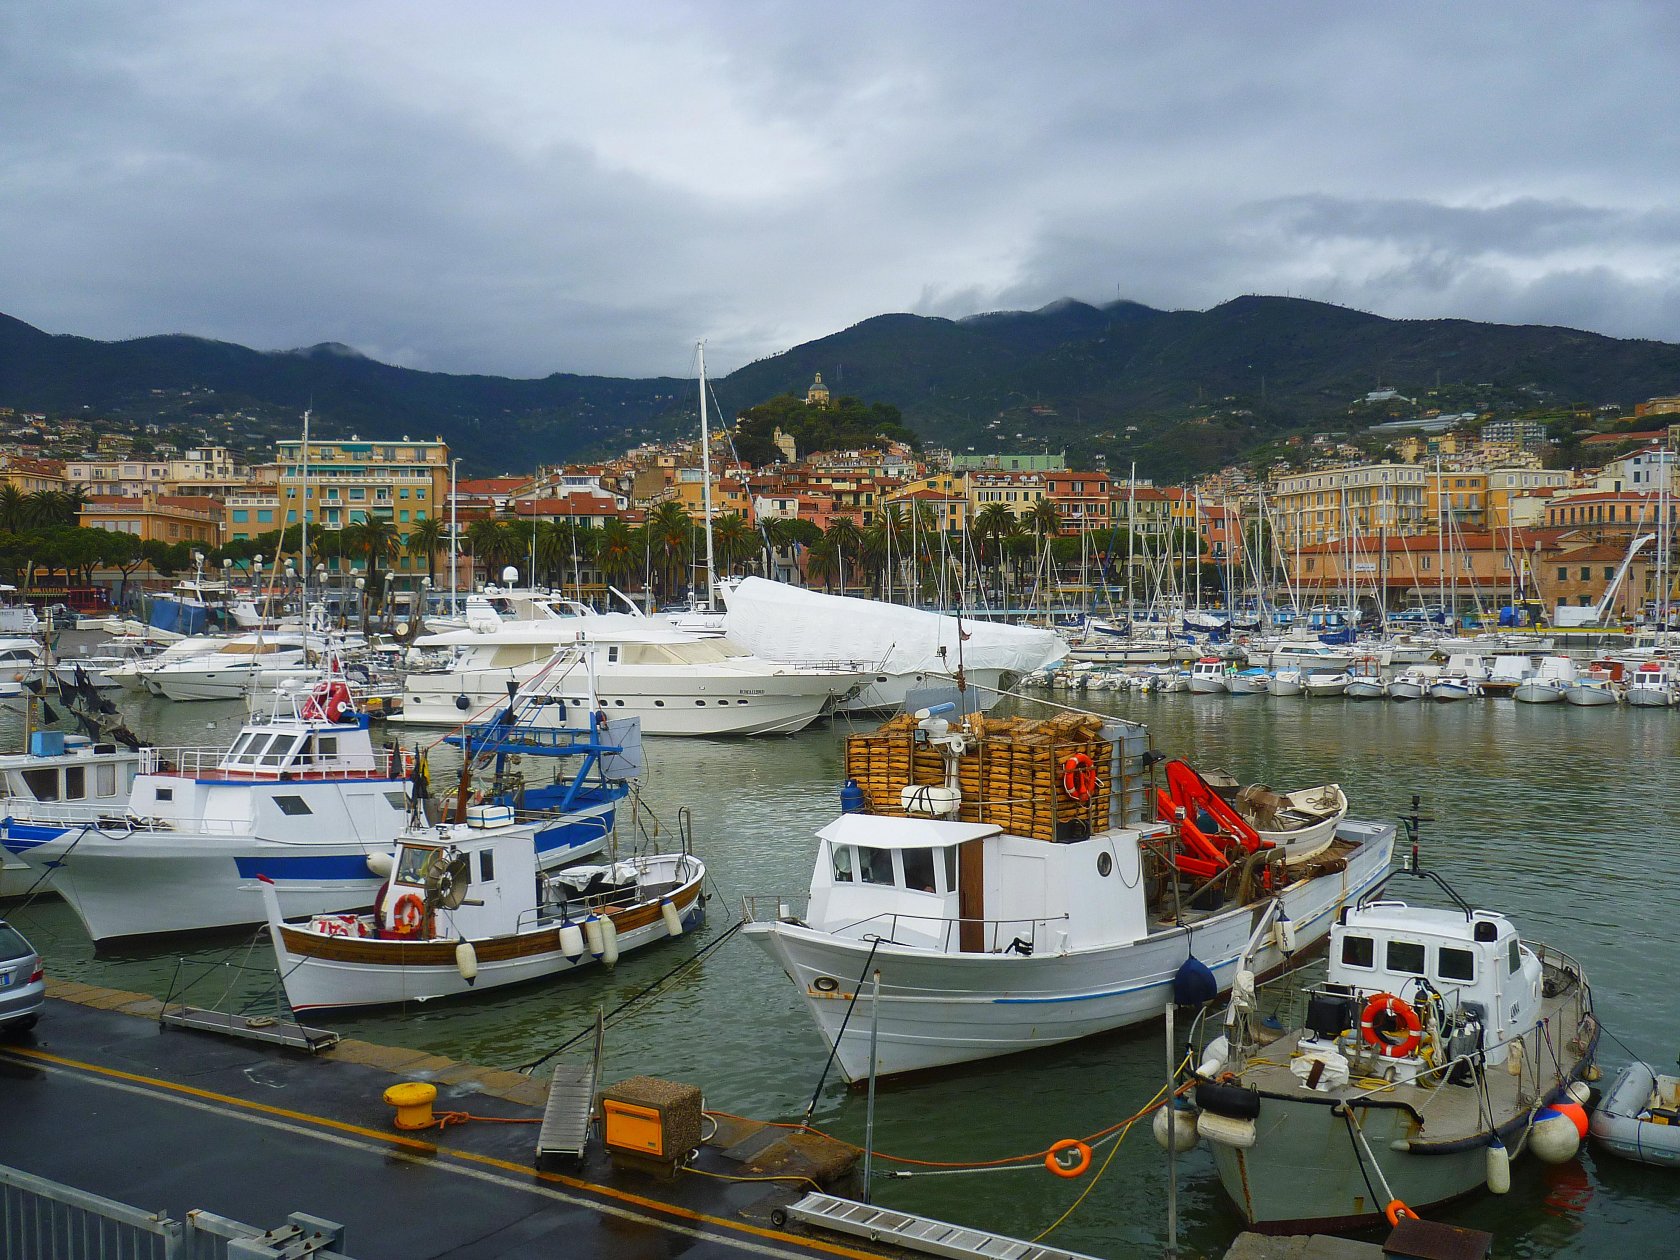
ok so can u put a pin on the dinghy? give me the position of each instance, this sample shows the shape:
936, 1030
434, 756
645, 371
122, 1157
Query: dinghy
1639, 1117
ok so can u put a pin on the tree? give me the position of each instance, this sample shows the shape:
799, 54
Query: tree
734, 540
124, 553
616, 551
490, 542
846, 540
11, 508
427, 538
670, 534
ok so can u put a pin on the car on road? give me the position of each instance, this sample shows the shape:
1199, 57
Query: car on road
23, 981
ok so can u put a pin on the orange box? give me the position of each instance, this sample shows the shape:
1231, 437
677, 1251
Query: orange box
632, 1128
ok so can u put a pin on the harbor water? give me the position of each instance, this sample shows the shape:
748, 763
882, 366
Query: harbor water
1556, 815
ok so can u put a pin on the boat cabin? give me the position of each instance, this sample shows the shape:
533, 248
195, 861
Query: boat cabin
969, 887
1474, 960
67, 770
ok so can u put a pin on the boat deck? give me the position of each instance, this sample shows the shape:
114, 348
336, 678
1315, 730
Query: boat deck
119, 1106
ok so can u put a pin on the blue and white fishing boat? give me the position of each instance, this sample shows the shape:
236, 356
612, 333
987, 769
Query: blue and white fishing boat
54, 788
303, 798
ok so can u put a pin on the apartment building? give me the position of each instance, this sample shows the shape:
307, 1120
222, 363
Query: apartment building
33, 476
1317, 507
352, 482
1081, 499
201, 471
164, 518
1018, 491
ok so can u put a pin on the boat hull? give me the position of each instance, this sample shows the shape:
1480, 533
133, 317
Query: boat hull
1537, 693
939, 1009
155, 883
340, 973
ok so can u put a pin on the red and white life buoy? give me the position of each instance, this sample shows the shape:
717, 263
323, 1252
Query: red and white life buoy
329, 700
1390, 1010
408, 914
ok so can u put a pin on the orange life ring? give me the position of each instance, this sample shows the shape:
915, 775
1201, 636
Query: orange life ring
1082, 1160
408, 914
1388, 1004
1079, 777
1395, 1210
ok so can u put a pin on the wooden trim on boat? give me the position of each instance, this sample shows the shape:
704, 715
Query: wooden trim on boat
398, 953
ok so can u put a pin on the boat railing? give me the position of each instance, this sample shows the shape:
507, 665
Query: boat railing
109, 815
998, 936
215, 763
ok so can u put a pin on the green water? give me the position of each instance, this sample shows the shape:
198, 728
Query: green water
1558, 816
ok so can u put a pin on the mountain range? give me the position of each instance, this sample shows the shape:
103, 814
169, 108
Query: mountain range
1176, 391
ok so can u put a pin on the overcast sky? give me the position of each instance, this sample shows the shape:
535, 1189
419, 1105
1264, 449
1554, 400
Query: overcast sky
523, 188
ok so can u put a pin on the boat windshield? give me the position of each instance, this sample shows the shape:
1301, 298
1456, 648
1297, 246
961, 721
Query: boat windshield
411, 864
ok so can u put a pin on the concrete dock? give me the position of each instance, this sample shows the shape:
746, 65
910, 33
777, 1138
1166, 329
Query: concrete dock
102, 1098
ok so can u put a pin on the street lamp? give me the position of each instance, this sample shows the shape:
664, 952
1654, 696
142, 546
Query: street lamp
361, 598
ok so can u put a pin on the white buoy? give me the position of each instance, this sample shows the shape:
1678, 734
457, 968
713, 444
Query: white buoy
1553, 1138
1283, 934
466, 962
1579, 1091
1226, 1130
1213, 1058
673, 920
571, 941
592, 935
1498, 1168
380, 864
609, 942
1183, 1128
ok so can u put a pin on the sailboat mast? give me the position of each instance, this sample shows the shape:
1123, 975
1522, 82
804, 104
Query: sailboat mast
303, 540
706, 484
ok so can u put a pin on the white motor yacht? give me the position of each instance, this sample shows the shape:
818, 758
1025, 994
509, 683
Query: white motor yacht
676, 684
239, 667
20, 662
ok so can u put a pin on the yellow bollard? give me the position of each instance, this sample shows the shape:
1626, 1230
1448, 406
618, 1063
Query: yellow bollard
413, 1101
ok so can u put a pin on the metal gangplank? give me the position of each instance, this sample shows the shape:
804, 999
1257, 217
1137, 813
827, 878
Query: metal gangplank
570, 1109
917, 1233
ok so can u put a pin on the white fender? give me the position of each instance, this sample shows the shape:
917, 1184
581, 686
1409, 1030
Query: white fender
381, 864
592, 934
673, 920
571, 941
466, 962
609, 942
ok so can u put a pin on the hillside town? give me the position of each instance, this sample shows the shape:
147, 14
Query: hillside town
1458, 511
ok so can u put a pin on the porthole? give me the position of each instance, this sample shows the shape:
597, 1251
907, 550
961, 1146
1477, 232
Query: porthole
825, 984
1105, 864
619, 703
659, 704
700, 703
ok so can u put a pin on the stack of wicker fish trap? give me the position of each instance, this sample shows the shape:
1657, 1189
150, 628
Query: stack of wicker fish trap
1012, 774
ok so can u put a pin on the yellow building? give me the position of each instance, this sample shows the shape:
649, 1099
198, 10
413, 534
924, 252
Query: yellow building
817, 395
1316, 507
1018, 491
149, 517
353, 482
33, 476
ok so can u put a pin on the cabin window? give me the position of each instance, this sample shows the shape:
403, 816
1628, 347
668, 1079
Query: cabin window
43, 784
1359, 951
279, 750
877, 866
326, 746
950, 869
105, 780
166, 794
1514, 957
918, 870
486, 866
1456, 964
842, 865
396, 800
292, 805
75, 783
411, 866
1406, 956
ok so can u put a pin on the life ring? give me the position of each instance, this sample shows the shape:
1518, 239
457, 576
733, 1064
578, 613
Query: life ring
1396, 1008
408, 914
1082, 1158
1395, 1210
1079, 777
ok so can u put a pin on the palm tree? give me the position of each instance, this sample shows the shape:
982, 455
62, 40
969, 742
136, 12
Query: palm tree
884, 543
615, 550
428, 537
823, 562
12, 515
734, 540
490, 542
994, 523
670, 533
846, 539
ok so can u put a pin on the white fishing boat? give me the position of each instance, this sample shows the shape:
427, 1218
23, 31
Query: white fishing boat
675, 684
55, 788
1365, 680
1062, 920
1207, 676
1653, 685
302, 797
1506, 674
1413, 682
1592, 687
1253, 681
1288, 682
1639, 1117
467, 907
1453, 685
1324, 684
1439, 1047
1547, 682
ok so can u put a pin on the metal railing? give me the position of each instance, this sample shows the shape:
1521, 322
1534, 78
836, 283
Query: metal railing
214, 762
998, 935
45, 1218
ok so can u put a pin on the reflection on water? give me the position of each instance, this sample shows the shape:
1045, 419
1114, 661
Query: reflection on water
1556, 815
